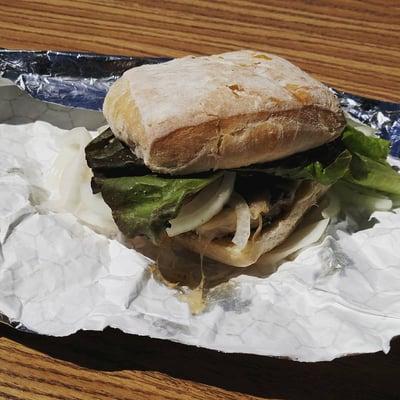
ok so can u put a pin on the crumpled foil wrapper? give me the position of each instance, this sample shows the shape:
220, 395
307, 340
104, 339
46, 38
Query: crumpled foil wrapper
82, 80
70, 79
57, 275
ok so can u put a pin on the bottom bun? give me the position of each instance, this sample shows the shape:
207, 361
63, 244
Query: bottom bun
224, 251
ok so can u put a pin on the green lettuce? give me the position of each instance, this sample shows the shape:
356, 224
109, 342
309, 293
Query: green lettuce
142, 202
368, 167
369, 146
143, 205
313, 170
375, 175
362, 162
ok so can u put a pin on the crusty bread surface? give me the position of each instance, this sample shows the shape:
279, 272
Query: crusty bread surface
224, 251
230, 110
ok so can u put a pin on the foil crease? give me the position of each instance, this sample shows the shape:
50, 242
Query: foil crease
82, 80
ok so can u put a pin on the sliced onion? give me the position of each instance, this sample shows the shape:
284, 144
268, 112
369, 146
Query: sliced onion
205, 205
68, 170
68, 183
303, 237
243, 220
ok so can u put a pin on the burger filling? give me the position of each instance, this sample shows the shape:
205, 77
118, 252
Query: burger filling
235, 204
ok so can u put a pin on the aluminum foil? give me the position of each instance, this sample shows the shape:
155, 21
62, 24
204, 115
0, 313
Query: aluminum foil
82, 80
70, 79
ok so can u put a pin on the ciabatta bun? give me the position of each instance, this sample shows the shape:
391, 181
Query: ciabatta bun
224, 111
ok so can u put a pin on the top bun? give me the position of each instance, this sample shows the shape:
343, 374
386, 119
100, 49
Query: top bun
195, 114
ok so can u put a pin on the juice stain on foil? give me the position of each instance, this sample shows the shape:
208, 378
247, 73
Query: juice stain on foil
193, 276
201, 282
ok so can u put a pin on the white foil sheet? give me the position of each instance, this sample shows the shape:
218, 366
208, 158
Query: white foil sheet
58, 275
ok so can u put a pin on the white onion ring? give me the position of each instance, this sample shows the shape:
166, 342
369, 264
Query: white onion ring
205, 205
243, 220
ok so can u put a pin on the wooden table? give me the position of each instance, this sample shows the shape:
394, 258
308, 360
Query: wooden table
352, 45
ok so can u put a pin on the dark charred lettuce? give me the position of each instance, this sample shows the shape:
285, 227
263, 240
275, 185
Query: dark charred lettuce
143, 202
108, 157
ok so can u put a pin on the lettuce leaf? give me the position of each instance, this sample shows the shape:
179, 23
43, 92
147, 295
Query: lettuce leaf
368, 167
315, 170
142, 205
362, 163
109, 157
371, 174
369, 146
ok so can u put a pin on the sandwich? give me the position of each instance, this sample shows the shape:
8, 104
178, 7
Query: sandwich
225, 154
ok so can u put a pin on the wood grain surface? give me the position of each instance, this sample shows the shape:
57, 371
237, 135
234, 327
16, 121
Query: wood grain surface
352, 45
